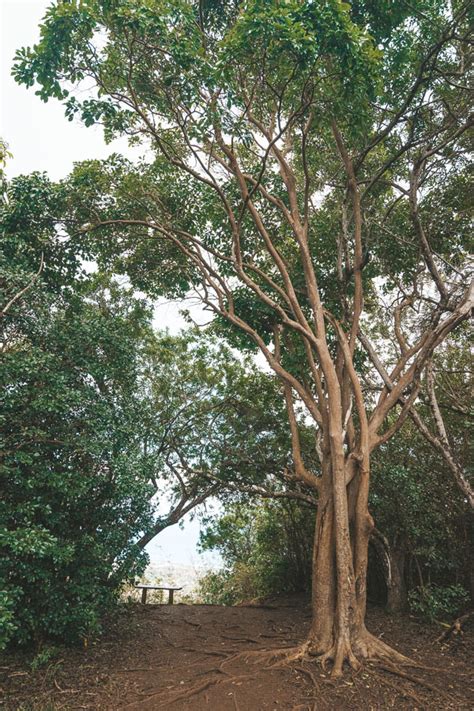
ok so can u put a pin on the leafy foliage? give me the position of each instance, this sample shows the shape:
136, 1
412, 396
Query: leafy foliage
266, 549
74, 496
417, 505
438, 603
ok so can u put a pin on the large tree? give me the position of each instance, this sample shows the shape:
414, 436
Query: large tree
301, 159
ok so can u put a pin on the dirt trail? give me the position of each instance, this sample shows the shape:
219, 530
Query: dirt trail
194, 658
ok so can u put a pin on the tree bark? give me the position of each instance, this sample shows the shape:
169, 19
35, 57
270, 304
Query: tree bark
393, 563
323, 578
397, 597
339, 596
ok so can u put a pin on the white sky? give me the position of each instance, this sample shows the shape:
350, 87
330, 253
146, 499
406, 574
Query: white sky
42, 139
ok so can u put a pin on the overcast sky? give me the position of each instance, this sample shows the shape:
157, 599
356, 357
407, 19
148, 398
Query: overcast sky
42, 139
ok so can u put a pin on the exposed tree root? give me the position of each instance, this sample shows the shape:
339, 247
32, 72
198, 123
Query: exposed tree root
414, 679
372, 648
365, 648
236, 703
251, 640
207, 652
281, 656
216, 670
158, 695
272, 657
456, 628
190, 622
340, 652
401, 691
193, 691
309, 674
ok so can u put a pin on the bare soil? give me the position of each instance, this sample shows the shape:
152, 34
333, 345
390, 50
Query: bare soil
204, 658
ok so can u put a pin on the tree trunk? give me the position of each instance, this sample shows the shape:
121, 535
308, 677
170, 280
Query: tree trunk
339, 596
393, 563
324, 577
397, 597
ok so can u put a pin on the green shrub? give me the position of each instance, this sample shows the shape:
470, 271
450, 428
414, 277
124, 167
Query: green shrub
437, 603
74, 491
266, 548
7, 614
217, 588
44, 657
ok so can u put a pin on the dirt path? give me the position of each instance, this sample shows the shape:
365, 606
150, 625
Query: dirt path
185, 657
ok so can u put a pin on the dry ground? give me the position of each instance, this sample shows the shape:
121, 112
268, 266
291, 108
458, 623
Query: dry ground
187, 657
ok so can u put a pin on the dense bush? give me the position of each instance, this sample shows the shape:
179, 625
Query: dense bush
73, 498
74, 495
